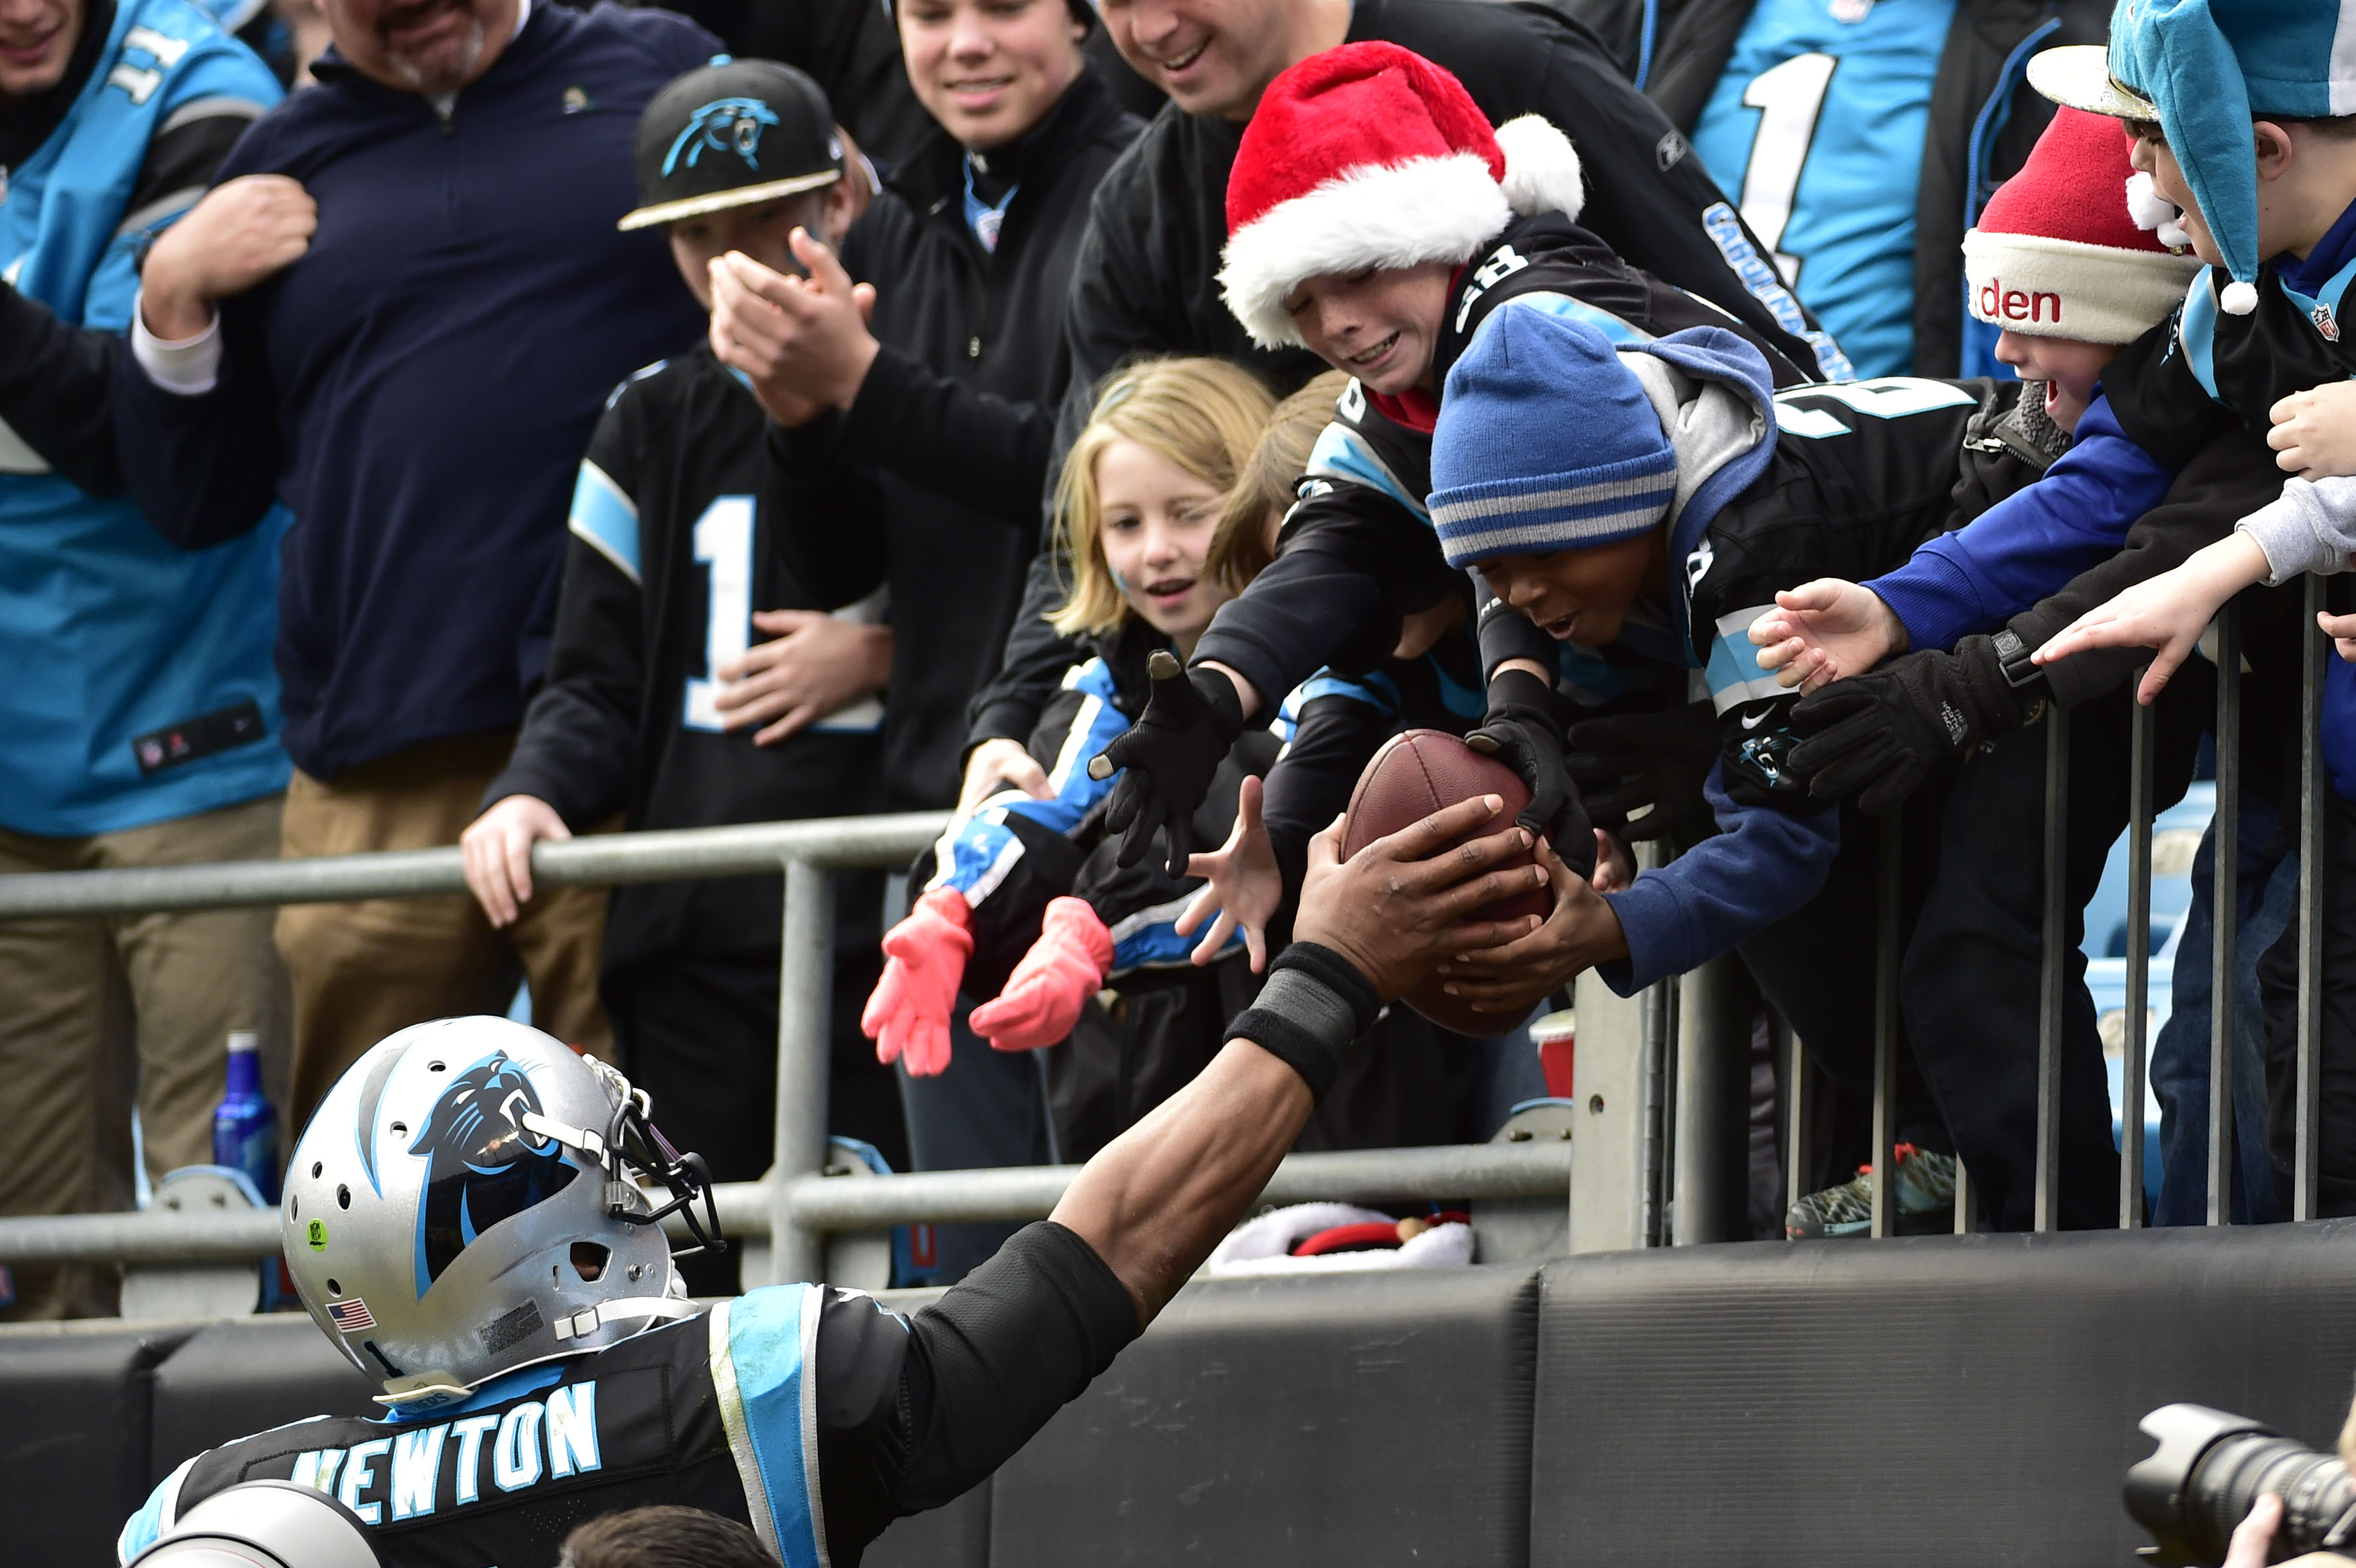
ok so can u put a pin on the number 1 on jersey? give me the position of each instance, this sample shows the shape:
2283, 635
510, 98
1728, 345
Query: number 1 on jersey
1788, 98
724, 540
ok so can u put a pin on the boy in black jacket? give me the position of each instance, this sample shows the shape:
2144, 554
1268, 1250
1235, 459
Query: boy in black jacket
1377, 218
653, 682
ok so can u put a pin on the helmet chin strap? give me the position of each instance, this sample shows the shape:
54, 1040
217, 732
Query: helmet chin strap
646, 1308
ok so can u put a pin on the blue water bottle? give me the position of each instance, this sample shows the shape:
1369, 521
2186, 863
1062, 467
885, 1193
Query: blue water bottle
245, 1130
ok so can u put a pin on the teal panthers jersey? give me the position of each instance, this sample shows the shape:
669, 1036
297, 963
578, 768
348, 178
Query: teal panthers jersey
1818, 124
140, 683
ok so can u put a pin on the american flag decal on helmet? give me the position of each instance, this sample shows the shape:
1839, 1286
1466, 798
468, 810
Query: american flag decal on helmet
352, 1316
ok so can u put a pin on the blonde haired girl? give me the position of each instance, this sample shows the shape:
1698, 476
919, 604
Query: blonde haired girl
1138, 510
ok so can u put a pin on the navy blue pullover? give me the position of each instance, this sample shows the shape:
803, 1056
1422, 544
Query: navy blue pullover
419, 388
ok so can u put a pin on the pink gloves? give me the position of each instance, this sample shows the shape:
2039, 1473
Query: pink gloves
1044, 994
909, 1016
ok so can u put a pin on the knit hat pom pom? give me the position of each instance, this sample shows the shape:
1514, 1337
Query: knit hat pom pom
1542, 169
2237, 298
2154, 213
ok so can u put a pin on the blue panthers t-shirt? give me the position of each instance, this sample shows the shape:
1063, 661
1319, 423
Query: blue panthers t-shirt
1816, 128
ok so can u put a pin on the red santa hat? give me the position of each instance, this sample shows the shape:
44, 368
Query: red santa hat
2076, 245
1370, 156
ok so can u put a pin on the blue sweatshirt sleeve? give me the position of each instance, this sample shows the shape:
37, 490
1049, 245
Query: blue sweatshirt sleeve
2029, 544
1764, 864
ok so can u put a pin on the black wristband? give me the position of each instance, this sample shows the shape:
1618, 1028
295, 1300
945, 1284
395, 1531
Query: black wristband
1314, 1004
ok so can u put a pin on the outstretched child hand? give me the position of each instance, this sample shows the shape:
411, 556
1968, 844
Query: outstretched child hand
908, 1015
2166, 613
1244, 886
2341, 630
1825, 631
1043, 998
2315, 430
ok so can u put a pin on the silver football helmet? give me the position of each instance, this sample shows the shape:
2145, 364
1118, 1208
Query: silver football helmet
465, 1201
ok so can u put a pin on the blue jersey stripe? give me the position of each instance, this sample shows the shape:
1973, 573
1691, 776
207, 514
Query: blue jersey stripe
761, 1344
605, 517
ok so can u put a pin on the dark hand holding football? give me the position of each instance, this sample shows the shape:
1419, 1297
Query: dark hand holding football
1166, 760
1414, 776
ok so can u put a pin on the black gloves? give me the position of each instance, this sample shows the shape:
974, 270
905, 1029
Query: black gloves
1883, 735
1641, 774
1167, 757
1522, 732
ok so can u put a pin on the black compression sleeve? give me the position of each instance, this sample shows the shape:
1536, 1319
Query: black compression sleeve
979, 1372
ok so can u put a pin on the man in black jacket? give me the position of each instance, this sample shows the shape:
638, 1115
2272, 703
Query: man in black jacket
913, 444
1144, 283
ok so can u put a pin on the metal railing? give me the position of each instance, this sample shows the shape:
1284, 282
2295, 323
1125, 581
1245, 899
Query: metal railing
2055, 984
797, 1207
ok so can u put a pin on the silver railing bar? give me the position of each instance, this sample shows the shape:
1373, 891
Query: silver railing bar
594, 861
2313, 649
1799, 1105
2141, 748
2053, 971
2224, 988
1886, 952
822, 1205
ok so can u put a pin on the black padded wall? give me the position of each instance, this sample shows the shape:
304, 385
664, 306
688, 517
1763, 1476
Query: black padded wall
245, 1376
74, 1434
956, 1536
1363, 1420
1967, 1401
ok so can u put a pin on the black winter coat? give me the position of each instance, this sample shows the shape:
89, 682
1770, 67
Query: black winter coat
932, 477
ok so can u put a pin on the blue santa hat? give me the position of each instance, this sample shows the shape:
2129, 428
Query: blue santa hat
2204, 70
1546, 442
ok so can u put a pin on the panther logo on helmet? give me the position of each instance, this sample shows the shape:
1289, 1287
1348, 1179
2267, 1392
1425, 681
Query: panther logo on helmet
483, 1165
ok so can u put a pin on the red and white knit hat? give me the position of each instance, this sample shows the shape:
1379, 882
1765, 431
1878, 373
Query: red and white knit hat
1370, 156
2076, 245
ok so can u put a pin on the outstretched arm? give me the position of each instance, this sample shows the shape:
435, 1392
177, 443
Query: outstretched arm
1160, 1196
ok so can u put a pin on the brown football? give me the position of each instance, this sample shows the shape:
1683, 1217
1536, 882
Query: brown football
1414, 774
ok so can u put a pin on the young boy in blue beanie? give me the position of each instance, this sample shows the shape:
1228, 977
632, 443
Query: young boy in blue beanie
1640, 505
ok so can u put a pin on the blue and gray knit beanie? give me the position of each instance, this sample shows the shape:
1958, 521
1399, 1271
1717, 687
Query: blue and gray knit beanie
1546, 442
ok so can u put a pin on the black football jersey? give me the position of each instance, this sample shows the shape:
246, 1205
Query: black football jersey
675, 527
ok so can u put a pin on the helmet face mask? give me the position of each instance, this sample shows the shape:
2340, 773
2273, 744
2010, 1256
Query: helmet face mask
458, 1208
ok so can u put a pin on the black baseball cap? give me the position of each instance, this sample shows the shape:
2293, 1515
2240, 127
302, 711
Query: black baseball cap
731, 133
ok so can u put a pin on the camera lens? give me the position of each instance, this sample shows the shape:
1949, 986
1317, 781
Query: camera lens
2211, 1467
2315, 1490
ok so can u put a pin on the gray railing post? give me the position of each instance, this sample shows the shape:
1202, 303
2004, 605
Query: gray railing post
2053, 970
1887, 951
2226, 926
2138, 1009
805, 984
2313, 649
1712, 1148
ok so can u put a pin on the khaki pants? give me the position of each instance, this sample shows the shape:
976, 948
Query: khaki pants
88, 1008
361, 970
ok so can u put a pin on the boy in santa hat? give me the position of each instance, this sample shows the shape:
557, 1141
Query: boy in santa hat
1374, 216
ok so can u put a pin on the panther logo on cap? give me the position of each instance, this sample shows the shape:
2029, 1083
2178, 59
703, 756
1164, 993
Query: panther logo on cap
722, 125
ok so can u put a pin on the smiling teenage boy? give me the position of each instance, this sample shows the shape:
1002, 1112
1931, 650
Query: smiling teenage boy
1375, 218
